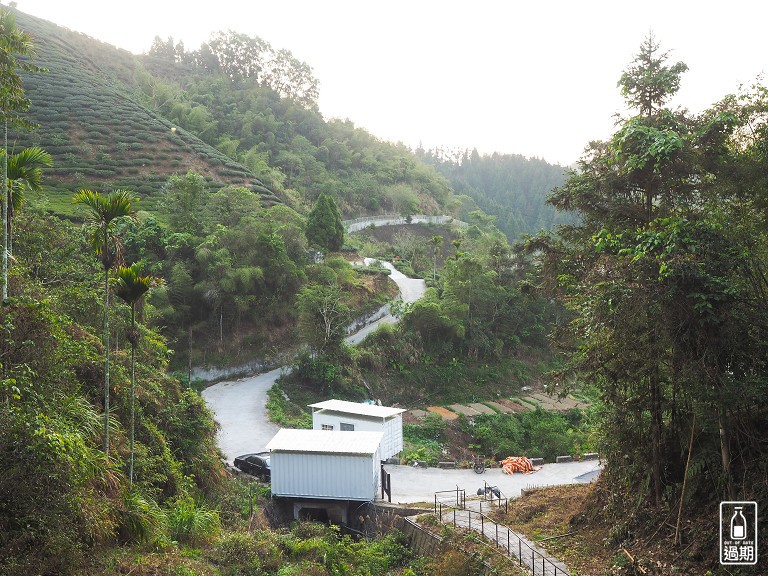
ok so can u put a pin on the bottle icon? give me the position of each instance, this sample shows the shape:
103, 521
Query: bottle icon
738, 525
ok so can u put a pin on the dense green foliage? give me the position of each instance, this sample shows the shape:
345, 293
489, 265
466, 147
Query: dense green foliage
64, 504
324, 227
236, 111
666, 275
534, 433
15, 49
479, 332
284, 140
60, 493
511, 187
424, 441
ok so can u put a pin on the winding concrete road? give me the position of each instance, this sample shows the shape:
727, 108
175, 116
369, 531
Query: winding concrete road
411, 289
239, 406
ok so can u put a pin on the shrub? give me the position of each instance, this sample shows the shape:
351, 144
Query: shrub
284, 412
140, 519
192, 524
238, 550
537, 433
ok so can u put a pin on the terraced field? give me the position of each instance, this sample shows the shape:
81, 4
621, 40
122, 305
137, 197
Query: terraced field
92, 122
503, 405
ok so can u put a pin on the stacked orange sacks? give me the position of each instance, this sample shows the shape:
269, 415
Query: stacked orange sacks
512, 464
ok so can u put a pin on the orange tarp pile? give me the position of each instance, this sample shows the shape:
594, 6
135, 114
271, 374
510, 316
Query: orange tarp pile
512, 464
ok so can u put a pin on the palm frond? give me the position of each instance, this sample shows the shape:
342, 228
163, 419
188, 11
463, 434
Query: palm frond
130, 284
106, 209
25, 170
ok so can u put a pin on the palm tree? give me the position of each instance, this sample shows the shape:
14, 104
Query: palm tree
130, 287
13, 43
436, 242
105, 214
25, 171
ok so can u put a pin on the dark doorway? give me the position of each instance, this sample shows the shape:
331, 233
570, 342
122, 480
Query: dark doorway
314, 514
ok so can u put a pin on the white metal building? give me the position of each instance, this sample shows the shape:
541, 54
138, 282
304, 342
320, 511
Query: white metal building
340, 415
323, 464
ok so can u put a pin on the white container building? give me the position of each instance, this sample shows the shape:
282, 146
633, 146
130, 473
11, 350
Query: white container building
340, 415
319, 464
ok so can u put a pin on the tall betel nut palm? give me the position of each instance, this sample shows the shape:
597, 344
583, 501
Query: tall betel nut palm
25, 171
13, 102
104, 216
130, 287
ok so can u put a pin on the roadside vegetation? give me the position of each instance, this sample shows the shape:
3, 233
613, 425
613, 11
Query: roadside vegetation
653, 296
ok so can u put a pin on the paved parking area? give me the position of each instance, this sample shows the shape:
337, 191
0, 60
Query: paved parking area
411, 484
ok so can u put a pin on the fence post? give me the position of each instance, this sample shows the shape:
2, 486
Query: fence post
497, 535
454, 517
519, 551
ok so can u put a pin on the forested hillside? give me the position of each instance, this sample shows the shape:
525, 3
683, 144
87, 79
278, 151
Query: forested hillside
224, 153
98, 134
511, 187
654, 293
235, 111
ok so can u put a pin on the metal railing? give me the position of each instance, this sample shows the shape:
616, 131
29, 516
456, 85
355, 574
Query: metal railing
428, 542
395, 219
459, 497
538, 560
493, 493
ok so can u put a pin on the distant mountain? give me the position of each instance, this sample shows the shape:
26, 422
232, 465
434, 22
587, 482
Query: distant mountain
511, 187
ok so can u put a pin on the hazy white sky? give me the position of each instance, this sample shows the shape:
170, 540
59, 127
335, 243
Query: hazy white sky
536, 78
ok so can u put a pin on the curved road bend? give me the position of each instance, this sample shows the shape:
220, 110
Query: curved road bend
239, 406
240, 409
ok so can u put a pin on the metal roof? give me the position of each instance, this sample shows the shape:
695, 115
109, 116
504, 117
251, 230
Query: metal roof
325, 441
358, 408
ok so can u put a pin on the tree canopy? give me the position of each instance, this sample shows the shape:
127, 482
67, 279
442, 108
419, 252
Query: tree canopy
664, 273
325, 229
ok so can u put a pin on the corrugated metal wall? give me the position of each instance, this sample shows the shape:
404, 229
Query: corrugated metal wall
391, 444
316, 475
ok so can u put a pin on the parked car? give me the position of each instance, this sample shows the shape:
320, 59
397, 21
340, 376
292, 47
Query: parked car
255, 464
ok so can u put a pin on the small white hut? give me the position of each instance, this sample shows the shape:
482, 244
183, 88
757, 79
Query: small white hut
313, 464
340, 415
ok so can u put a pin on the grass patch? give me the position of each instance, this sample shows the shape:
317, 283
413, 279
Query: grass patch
424, 441
284, 412
555, 515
